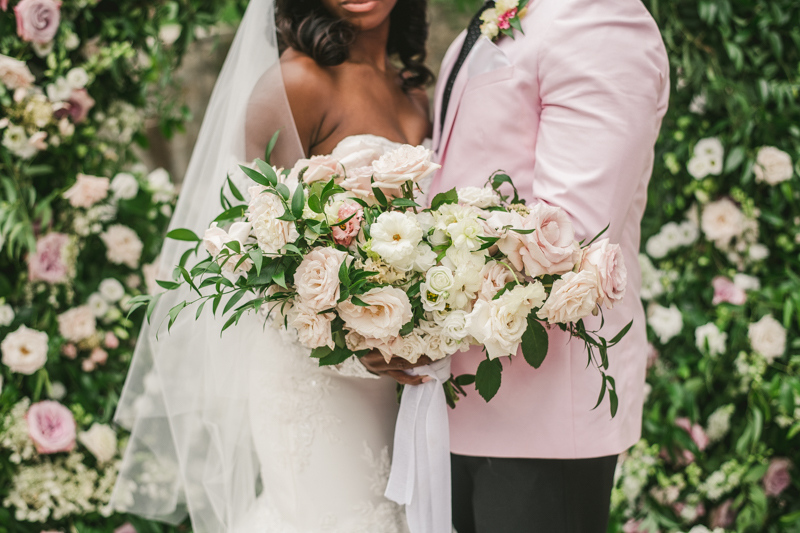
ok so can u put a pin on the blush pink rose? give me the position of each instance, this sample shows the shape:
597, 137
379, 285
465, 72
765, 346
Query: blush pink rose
389, 309
111, 341
695, 431
723, 515
49, 263
344, 234
51, 426
777, 478
313, 329
605, 260
87, 191
726, 291
80, 103
318, 168
99, 356
359, 182
495, 277
38, 20
125, 528
317, 278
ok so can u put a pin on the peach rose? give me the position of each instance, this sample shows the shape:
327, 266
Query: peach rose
606, 261
51, 427
313, 329
389, 309
87, 191
317, 278
572, 298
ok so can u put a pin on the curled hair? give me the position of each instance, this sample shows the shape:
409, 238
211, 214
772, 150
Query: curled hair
308, 27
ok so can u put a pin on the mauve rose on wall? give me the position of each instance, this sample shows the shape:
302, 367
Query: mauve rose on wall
38, 20
777, 478
51, 427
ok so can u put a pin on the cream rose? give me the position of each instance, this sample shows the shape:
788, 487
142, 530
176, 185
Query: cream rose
439, 279
318, 168
317, 278
768, 338
389, 309
215, 239
313, 329
606, 261
101, 441
359, 182
481, 197
77, 324
25, 350
406, 163
15, 74
494, 276
572, 298
773, 166
410, 347
263, 212
87, 191
123, 246
721, 221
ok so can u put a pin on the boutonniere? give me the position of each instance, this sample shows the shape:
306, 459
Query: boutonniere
505, 17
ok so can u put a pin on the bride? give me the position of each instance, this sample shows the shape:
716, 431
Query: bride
244, 432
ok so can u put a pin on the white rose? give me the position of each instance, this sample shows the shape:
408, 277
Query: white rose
572, 298
425, 259
215, 239
263, 212
124, 186
439, 279
389, 310
406, 163
395, 237
77, 78
608, 264
6, 315
313, 329
666, 322
746, 283
112, 290
97, 304
77, 324
101, 441
709, 339
772, 166
15, 74
455, 325
499, 324
123, 246
657, 246
481, 197
25, 350
721, 221
768, 338
317, 278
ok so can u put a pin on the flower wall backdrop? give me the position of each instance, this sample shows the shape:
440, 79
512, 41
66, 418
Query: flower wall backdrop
81, 221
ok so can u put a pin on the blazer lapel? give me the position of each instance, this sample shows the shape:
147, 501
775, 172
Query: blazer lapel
447, 66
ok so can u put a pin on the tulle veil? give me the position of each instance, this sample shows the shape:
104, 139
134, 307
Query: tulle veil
185, 400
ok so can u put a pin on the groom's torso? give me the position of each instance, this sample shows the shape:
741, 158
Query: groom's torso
493, 122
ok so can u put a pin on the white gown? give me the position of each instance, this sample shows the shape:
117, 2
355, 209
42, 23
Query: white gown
323, 435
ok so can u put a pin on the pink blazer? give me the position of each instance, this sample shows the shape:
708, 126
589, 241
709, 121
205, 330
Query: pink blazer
571, 111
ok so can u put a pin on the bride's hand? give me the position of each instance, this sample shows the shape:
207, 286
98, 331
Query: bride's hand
395, 368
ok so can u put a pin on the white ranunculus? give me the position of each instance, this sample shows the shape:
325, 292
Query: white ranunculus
77, 78
666, 322
758, 252
6, 315
499, 324
698, 167
112, 290
439, 279
772, 166
455, 325
263, 212
721, 221
124, 186
746, 283
389, 310
25, 350
481, 197
77, 324
425, 259
395, 237
709, 339
97, 304
317, 278
572, 298
768, 338
101, 441
406, 163
15, 74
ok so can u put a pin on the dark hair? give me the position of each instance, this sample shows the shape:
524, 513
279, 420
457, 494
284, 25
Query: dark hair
308, 27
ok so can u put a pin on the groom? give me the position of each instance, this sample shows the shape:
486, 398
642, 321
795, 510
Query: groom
571, 110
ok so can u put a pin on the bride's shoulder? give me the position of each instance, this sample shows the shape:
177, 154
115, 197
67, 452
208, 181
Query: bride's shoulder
304, 77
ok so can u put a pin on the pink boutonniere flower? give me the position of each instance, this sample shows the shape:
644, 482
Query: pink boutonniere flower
504, 18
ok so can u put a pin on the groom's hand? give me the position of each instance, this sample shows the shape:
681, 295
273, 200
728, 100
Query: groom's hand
395, 368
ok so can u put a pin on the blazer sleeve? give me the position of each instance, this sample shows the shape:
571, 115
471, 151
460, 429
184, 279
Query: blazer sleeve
603, 83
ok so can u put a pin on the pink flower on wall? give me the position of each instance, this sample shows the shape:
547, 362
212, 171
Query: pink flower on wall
80, 103
37, 20
777, 478
51, 426
49, 263
726, 291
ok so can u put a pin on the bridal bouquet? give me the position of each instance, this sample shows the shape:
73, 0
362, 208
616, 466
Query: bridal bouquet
351, 260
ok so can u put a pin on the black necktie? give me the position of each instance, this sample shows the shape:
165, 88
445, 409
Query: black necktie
473, 33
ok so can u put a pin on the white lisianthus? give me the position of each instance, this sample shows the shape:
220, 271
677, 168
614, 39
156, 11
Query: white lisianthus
719, 423
124, 186
721, 221
709, 339
25, 350
481, 197
101, 441
395, 237
6, 315
425, 259
123, 246
112, 290
772, 166
97, 304
439, 279
573, 297
406, 163
499, 324
666, 322
455, 325
263, 212
711, 149
77, 78
768, 338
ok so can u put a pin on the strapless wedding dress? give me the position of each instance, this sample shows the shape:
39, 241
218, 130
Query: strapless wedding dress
323, 435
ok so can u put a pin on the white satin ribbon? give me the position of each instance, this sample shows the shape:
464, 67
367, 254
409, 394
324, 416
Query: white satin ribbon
420, 477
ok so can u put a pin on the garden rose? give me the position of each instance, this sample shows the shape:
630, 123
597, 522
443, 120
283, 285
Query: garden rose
25, 350
38, 20
15, 74
319, 168
344, 234
726, 290
395, 237
51, 427
572, 298
77, 324
480, 197
263, 212
313, 329
768, 338
495, 276
123, 246
455, 325
87, 191
777, 478
98, 356
101, 441
51, 262
406, 163
80, 103
606, 261
772, 166
721, 221
389, 309
317, 278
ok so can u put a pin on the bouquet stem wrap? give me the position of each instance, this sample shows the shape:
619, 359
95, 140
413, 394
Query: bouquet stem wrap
420, 477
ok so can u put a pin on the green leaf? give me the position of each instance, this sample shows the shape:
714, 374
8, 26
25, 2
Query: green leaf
231, 214
268, 172
465, 379
404, 202
234, 300
174, 312
283, 190
258, 259
500, 179
298, 201
256, 176
355, 300
407, 328
169, 285
602, 393
234, 190
618, 337
380, 197
449, 197
535, 342
322, 351
152, 306
314, 203
734, 159
271, 146
336, 357
344, 274
182, 234
488, 378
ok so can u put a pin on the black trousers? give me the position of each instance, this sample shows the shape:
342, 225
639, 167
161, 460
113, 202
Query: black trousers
494, 495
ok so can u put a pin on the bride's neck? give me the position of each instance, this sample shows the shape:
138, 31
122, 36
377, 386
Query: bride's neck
369, 47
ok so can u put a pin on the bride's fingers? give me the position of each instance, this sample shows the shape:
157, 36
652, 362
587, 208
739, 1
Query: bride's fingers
405, 379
